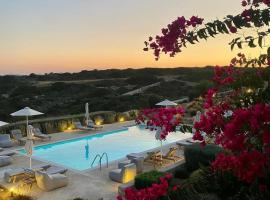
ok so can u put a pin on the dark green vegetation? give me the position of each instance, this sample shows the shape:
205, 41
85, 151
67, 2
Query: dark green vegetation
200, 182
196, 155
63, 94
147, 179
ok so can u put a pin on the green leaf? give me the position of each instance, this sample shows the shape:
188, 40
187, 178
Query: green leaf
239, 44
260, 39
232, 46
266, 16
211, 32
219, 26
238, 22
225, 29
190, 40
251, 44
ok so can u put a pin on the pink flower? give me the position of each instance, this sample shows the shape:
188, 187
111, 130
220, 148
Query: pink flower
266, 137
244, 3
268, 61
233, 29
175, 187
262, 187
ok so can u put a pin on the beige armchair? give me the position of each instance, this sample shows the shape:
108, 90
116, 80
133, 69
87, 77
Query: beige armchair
125, 174
50, 182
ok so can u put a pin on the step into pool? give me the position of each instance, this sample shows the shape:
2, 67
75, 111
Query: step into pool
79, 153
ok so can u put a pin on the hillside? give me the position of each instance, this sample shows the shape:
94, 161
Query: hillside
119, 90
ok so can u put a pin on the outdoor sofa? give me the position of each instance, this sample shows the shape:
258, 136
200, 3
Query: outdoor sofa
125, 174
139, 162
13, 175
50, 182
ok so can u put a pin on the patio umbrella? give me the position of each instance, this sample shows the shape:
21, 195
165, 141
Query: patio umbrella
26, 112
3, 123
86, 114
166, 103
29, 144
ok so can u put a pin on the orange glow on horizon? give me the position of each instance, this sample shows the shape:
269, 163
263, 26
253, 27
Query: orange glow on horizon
44, 36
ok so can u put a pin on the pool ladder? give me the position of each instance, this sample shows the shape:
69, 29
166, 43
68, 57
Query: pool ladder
100, 159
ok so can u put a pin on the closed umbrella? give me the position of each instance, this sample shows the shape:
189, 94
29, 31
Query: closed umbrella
197, 118
158, 137
166, 103
86, 114
3, 123
29, 144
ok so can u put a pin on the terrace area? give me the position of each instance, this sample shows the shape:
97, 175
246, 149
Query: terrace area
92, 183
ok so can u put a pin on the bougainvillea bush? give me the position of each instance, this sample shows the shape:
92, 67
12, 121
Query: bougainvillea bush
162, 120
236, 110
154, 192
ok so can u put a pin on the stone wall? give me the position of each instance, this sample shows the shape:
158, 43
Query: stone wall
59, 124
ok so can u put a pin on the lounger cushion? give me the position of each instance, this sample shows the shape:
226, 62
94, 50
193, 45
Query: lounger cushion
136, 155
7, 153
50, 182
139, 162
5, 141
123, 163
78, 125
56, 170
39, 134
5, 160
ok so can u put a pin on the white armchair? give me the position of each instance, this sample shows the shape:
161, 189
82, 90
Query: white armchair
50, 182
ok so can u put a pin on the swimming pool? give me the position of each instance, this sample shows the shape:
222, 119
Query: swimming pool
79, 153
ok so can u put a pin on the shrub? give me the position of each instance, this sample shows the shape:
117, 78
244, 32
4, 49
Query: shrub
181, 172
121, 117
195, 155
108, 117
98, 120
133, 114
146, 179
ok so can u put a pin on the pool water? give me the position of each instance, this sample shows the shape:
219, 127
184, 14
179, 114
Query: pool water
79, 153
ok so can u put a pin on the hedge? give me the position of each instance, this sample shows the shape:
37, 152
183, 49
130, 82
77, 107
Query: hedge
196, 155
146, 179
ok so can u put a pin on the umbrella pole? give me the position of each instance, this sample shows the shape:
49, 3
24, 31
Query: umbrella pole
30, 159
26, 124
161, 150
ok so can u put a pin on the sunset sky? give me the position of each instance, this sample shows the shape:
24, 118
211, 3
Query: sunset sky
72, 35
